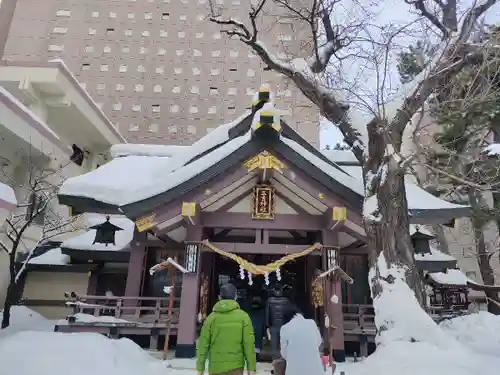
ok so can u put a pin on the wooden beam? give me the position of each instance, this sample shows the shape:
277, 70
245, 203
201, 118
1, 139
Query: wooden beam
233, 220
251, 248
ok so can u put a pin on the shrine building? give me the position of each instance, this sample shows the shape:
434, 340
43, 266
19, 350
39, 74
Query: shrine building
251, 203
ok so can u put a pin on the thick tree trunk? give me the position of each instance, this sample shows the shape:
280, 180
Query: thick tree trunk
441, 238
483, 257
7, 306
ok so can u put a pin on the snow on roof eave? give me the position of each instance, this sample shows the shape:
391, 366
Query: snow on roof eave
134, 149
439, 215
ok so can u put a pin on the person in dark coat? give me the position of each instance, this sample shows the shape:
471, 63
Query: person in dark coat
276, 307
257, 314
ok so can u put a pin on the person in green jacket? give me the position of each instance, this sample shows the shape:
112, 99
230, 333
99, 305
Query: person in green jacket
226, 338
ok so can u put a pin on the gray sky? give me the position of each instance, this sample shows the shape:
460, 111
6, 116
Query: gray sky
395, 12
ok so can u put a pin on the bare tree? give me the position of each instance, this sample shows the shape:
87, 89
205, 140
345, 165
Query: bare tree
376, 142
40, 212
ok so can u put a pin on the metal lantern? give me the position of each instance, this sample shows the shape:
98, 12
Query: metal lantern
105, 232
191, 260
331, 256
420, 242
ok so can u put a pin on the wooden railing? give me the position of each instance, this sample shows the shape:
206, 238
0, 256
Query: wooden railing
144, 309
359, 319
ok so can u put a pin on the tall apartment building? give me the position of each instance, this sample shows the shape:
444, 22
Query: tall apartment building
162, 72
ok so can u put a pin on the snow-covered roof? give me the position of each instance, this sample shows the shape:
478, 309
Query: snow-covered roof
450, 277
85, 241
341, 156
7, 196
493, 149
51, 257
144, 174
434, 256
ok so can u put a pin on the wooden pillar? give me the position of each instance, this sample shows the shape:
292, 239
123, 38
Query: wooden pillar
334, 310
93, 281
136, 266
186, 330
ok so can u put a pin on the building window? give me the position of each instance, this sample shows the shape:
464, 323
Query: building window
197, 53
85, 67
156, 108
231, 91
107, 49
214, 72
285, 38
117, 107
196, 71
60, 30
160, 70
178, 70
131, 16
161, 51
181, 34
143, 50
133, 128
176, 89
174, 108
125, 49
92, 31
145, 33
193, 109
217, 36
215, 53
195, 90
182, 17
95, 14
165, 16
233, 54
101, 86
233, 69
120, 87
141, 69
112, 15
89, 49
63, 13
127, 32
200, 17
148, 16
157, 88
199, 35
212, 110
56, 48
214, 90
153, 128
104, 68
250, 73
172, 129
163, 34
179, 52
110, 31
138, 88
136, 108
191, 129
123, 68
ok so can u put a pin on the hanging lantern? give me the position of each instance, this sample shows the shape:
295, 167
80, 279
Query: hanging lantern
266, 278
242, 273
278, 274
420, 242
327, 321
105, 232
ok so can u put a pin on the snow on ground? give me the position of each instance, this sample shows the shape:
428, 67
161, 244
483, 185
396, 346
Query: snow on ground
24, 319
479, 332
52, 353
87, 318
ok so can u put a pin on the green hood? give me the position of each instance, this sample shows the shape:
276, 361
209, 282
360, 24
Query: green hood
226, 305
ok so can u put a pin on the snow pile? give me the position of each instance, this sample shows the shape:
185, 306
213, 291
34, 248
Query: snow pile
51, 257
435, 256
85, 241
7, 194
398, 315
423, 358
24, 319
51, 353
479, 332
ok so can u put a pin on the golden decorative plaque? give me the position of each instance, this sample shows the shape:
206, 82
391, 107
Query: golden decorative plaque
263, 203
